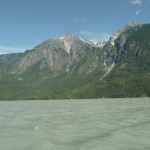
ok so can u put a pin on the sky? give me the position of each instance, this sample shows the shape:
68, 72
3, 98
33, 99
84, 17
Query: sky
26, 23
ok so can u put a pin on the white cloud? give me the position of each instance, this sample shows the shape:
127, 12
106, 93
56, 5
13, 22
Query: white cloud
137, 12
9, 49
136, 2
95, 35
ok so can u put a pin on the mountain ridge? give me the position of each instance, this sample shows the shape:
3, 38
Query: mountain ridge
72, 67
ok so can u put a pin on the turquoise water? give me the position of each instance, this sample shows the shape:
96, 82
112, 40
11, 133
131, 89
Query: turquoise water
101, 124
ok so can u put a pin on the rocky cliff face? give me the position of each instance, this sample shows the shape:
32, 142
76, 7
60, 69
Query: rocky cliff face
66, 54
119, 45
72, 67
73, 54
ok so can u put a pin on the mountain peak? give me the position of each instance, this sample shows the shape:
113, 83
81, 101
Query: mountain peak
132, 24
68, 40
119, 32
69, 35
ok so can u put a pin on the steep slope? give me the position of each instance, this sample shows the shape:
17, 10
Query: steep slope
72, 67
130, 77
66, 54
53, 67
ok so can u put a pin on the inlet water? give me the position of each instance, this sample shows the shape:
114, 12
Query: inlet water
96, 124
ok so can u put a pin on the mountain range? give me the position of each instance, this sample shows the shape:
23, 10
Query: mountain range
71, 67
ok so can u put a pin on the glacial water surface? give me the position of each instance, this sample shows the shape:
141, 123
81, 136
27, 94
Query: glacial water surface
101, 124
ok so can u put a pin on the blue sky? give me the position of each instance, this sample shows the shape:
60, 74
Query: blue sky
26, 23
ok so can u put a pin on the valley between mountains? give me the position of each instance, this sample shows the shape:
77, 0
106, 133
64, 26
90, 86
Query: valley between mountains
74, 68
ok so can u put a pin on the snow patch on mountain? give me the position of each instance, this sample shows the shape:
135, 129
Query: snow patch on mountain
94, 43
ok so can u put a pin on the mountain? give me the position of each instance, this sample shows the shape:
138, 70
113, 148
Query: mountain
72, 67
129, 50
67, 54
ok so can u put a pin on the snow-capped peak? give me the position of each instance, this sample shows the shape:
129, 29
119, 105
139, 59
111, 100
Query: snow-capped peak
94, 43
82, 40
61, 38
100, 43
